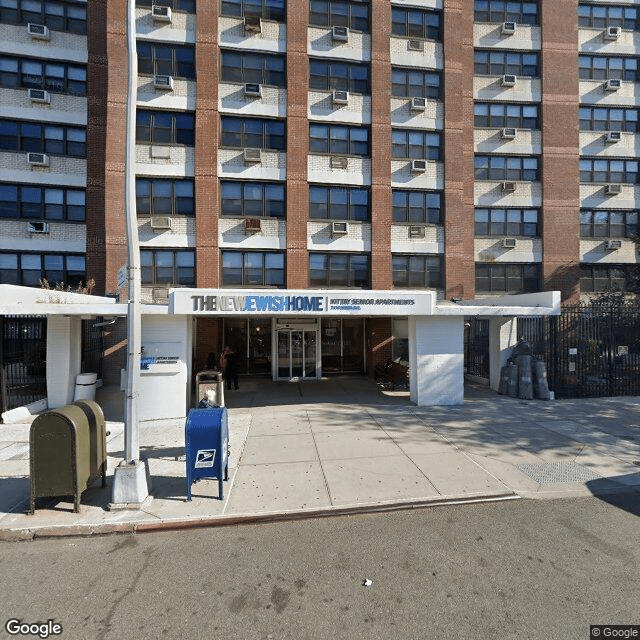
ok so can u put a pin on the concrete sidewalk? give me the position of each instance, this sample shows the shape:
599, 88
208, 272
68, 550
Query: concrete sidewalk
341, 445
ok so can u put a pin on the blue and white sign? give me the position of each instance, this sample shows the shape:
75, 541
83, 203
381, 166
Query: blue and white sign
300, 302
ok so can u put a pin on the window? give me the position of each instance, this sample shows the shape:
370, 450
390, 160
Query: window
252, 269
27, 269
55, 14
598, 223
609, 277
160, 197
253, 199
255, 133
608, 67
33, 202
507, 278
506, 168
519, 11
339, 203
609, 119
54, 76
602, 170
417, 271
415, 23
601, 17
188, 6
339, 270
415, 83
506, 222
417, 207
338, 139
498, 115
330, 75
168, 266
57, 140
412, 143
267, 9
166, 59
261, 68
165, 127
498, 63
339, 13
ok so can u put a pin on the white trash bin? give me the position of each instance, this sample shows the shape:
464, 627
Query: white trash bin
85, 386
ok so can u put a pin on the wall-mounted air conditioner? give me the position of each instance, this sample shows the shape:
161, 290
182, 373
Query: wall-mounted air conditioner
613, 189
508, 80
508, 28
253, 155
418, 104
161, 13
339, 228
416, 231
252, 225
415, 45
418, 166
253, 24
612, 33
508, 133
340, 97
613, 84
508, 243
38, 159
253, 90
37, 227
39, 95
614, 136
339, 162
38, 31
161, 222
340, 34
509, 187
613, 245
163, 82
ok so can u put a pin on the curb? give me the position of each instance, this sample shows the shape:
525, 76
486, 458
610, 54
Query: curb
87, 530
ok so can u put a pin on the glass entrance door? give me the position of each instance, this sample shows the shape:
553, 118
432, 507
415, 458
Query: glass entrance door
297, 354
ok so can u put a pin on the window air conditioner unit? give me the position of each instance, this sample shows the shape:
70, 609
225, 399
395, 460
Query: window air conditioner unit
339, 228
163, 82
509, 187
614, 136
160, 294
418, 104
508, 28
418, 166
509, 80
340, 34
415, 45
161, 222
38, 159
253, 90
508, 243
161, 13
340, 97
39, 95
612, 33
612, 245
613, 189
38, 31
416, 231
252, 225
509, 133
253, 24
253, 155
339, 162
613, 84
37, 227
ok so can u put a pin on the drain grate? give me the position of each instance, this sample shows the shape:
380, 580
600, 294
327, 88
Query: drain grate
558, 472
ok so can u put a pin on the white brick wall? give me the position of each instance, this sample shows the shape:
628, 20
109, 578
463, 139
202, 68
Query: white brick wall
358, 171
593, 196
401, 175
489, 193
431, 58
231, 164
491, 250
526, 142
592, 92
272, 104
593, 143
431, 118
61, 46
165, 160
595, 251
15, 103
61, 170
321, 107
433, 241
490, 88
490, 35
182, 27
182, 98
181, 235
62, 236
273, 36
592, 41
321, 43
319, 238
232, 234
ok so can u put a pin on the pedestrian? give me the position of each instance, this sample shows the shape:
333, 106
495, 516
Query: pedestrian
229, 361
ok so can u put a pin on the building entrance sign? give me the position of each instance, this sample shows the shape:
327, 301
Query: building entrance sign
305, 302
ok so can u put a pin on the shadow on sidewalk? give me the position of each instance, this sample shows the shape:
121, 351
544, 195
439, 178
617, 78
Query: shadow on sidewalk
625, 498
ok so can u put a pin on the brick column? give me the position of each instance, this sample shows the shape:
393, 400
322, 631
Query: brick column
297, 263
381, 277
560, 149
207, 200
459, 267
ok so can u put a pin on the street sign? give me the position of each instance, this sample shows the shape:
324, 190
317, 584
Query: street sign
123, 275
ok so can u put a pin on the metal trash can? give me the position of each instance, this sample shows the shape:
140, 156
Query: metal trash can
59, 458
206, 437
85, 386
97, 438
210, 380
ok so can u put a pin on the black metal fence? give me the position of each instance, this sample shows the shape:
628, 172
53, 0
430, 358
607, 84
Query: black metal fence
92, 346
476, 351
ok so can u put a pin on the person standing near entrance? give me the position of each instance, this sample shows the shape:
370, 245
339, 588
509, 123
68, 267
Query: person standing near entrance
229, 366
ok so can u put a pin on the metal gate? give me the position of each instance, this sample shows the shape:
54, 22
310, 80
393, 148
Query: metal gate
476, 352
23, 353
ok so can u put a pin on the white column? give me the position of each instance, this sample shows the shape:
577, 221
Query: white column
503, 334
64, 344
436, 357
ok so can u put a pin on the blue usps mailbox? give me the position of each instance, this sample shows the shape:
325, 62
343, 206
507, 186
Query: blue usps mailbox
206, 436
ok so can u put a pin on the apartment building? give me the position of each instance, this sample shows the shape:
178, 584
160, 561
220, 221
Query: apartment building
469, 148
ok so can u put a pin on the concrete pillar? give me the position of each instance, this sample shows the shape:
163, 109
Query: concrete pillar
64, 343
503, 334
436, 357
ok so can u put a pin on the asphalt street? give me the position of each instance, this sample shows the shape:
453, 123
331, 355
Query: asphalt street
521, 569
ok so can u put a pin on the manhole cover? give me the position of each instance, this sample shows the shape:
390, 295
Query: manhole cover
558, 472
